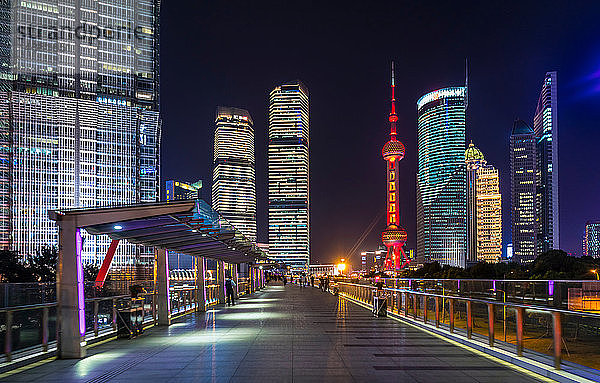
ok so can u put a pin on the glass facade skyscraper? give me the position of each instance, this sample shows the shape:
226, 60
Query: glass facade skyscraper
79, 122
441, 177
591, 240
289, 219
234, 178
545, 126
523, 191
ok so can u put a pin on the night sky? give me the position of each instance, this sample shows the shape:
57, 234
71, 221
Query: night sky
233, 53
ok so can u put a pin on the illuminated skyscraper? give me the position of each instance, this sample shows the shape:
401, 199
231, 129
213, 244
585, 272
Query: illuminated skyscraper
289, 218
591, 240
523, 192
234, 178
484, 209
545, 125
79, 116
441, 178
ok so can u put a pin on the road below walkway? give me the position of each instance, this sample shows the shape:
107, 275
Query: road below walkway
280, 334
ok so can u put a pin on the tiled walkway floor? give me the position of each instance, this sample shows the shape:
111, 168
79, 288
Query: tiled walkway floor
278, 335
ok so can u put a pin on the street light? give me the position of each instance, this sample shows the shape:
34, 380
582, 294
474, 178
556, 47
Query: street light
596, 272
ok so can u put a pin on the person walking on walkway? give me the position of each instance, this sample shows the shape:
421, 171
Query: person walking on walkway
326, 283
229, 291
284, 280
312, 280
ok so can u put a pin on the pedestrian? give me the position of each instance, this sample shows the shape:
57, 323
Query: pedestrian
229, 291
327, 283
284, 280
312, 280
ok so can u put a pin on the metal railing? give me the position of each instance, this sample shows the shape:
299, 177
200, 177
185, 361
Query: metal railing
571, 336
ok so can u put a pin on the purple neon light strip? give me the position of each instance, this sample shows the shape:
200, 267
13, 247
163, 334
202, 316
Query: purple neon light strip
551, 288
80, 296
167, 281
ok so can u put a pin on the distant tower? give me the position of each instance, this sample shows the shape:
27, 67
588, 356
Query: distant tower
234, 180
545, 126
523, 192
394, 236
441, 178
484, 209
591, 241
289, 192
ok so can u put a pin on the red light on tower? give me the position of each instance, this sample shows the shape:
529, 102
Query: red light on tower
394, 236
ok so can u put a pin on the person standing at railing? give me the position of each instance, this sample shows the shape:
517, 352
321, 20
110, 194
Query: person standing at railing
229, 290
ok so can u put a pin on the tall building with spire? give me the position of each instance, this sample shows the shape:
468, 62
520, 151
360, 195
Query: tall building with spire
484, 209
545, 126
79, 116
441, 178
289, 198
234, 178
394, 236
523, 192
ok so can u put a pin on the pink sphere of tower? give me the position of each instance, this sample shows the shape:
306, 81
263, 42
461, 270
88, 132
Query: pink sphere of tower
393, 150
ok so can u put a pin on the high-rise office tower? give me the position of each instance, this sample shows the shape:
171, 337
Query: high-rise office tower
79, 120
441, 178
591, 240
289, 219
484, 209
523, 191
234, 178
545, 126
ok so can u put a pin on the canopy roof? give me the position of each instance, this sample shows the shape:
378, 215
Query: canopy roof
187, 226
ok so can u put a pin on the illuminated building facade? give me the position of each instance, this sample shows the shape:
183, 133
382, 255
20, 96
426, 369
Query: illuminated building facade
591, 241
79, 117
441, 178
177, 190
394, 236
484, 209
289, 219
523, 192
545, 126
234, 178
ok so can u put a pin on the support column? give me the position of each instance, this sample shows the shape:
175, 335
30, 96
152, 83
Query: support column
251, 278
70, 296
162, 287
221, 280
200, 284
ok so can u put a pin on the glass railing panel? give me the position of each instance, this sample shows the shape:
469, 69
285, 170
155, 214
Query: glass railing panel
581, 340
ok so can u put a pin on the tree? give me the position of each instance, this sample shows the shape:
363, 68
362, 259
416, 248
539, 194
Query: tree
13, 269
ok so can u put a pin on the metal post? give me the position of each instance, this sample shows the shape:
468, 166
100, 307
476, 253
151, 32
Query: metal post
95, 318
406, 304
520, 314
415, 301
437, 311
451, 313
424, 308
556, 324
162, 287
45, 329
8, 336
69, 290
469, 320
491, 319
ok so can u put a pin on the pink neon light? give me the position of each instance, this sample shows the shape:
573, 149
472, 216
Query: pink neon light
80, 296
167, 281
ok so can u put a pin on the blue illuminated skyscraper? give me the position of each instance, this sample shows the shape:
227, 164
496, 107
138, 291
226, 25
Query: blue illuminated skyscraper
545, 126
441, 177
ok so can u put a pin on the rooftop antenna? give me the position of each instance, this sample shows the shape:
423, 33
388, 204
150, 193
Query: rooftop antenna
466, 83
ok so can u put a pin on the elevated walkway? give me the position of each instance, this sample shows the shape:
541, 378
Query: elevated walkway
279, 334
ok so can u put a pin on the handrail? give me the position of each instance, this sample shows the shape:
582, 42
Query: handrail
364, 293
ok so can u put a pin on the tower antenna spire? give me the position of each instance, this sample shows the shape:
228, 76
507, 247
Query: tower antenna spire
393, 116
466, 83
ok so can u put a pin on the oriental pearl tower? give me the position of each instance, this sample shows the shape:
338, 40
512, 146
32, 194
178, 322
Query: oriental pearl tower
394, 236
